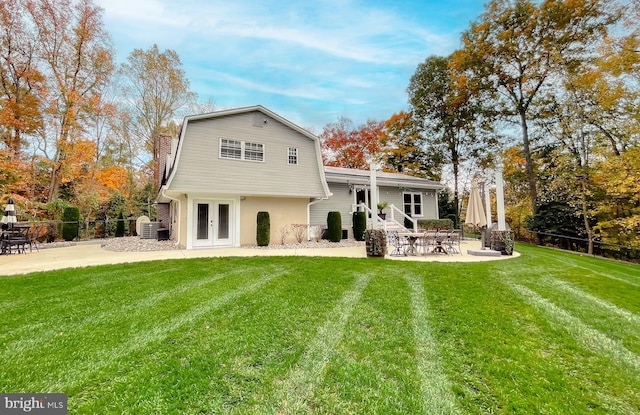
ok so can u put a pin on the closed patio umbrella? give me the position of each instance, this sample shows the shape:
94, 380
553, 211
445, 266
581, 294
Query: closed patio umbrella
475, 212
9, 216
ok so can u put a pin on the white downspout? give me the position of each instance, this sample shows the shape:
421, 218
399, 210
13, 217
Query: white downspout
162, 192
313, 202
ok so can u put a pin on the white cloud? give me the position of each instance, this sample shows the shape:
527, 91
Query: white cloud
346, 55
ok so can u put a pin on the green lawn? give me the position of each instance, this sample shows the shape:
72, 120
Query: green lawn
548, 332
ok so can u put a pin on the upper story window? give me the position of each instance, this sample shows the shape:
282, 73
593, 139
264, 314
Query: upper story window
413, 204
293, 155
230, 149
241, 150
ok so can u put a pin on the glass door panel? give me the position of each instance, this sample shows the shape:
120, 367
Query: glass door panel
224, 219
202, 226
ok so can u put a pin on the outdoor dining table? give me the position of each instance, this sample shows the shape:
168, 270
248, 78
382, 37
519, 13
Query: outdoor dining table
412, 237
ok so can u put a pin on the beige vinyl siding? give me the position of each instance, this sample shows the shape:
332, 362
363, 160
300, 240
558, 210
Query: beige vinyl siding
201, 169
341, 201
394, 196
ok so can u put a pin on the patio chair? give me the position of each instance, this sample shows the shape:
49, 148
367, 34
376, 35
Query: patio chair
452, 242
429, 242
426, 242
14, 240
399, 244
32, 234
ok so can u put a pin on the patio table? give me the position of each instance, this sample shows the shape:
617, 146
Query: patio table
412, 237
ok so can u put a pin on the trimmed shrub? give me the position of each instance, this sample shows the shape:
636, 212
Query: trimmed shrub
359, 225
334, 226
435, 224
70, 223
263, 235
120, 226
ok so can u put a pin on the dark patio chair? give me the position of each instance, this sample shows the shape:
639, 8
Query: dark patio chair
399, 244
14, 241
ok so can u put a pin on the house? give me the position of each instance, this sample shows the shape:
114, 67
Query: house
404, 196
225, 167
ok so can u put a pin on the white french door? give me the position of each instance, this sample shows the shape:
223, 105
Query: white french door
213, 223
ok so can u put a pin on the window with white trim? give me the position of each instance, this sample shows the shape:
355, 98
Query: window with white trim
241, 150
412, 204
292, 155
253, 152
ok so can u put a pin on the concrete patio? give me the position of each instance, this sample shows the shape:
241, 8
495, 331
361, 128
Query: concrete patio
84, 254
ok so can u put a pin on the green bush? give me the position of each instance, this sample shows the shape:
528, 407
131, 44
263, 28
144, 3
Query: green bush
70, 223
120, 226
359, 225
334, 226
263, 235
435, 224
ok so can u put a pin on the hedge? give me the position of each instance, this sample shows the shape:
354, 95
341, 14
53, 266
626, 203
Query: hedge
263, 235
334, 226
359, 225
70, 223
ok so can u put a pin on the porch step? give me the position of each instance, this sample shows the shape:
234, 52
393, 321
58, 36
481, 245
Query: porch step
392, 226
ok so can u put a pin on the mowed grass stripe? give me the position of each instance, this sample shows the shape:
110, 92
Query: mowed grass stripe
22, 339
59, 289
437, 395
592, 300
597, 266
297, 387
76, 372
590, 338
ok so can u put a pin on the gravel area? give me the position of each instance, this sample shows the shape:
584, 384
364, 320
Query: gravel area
136, 244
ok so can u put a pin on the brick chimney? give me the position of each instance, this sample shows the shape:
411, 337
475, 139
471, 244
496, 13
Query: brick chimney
163, 149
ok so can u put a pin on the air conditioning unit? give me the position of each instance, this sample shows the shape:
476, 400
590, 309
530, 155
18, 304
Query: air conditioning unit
149, 230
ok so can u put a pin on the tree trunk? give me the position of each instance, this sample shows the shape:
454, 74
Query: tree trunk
533, 191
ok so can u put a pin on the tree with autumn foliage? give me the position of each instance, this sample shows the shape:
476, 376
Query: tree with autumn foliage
452, 121
156, 88
516, 47
77, 61
404, 151
22, 84
619, 216
346, 146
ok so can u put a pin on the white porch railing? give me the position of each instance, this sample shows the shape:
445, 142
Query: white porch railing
397, 216
395, 212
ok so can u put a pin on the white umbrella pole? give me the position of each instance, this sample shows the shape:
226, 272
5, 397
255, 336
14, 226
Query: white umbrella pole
487, 203
502, 224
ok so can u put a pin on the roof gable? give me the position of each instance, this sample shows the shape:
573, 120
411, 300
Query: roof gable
197, 163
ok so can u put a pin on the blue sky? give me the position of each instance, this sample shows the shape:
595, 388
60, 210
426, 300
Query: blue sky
309, 61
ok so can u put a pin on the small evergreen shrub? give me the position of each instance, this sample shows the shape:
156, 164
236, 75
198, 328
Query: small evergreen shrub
263, 234
334, 226
70, 223
120, 226
359, 225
